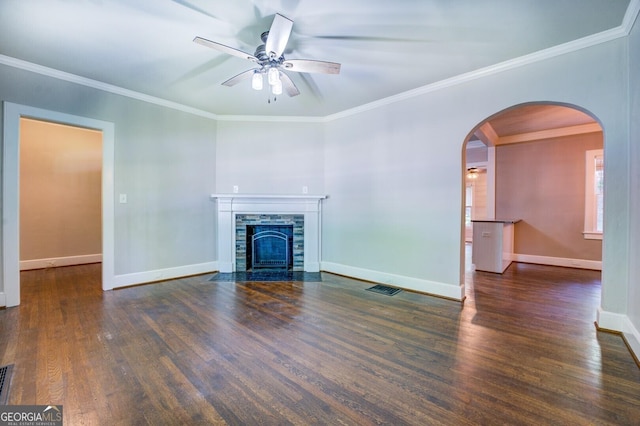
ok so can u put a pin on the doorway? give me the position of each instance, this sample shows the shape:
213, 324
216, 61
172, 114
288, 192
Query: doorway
10, 292
60, 199
536, 158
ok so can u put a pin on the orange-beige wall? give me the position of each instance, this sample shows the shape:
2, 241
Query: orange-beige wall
543, 184
60, 194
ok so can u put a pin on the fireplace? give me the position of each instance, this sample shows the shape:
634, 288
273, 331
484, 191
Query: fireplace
270, 247
274, 241
236, 212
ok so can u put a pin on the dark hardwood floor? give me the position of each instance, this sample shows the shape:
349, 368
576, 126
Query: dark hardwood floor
523, 350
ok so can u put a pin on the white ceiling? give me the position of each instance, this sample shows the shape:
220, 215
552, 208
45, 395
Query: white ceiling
385, 47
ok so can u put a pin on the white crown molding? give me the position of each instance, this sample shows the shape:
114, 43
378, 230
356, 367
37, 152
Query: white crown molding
95, 84
531, 58
271, 118
630, 16
621, 31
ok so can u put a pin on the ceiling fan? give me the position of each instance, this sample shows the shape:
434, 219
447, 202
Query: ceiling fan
270, 60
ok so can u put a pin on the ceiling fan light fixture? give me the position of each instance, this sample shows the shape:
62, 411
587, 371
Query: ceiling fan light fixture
256, 80
273, 76
269, 59
276, 89
472, 173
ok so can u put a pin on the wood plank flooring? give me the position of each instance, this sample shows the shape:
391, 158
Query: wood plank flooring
522, 351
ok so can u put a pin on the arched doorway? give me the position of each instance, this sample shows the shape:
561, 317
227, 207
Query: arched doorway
540, 163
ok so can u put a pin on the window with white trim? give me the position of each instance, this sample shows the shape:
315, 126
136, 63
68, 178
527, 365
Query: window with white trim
468, 204
594, 191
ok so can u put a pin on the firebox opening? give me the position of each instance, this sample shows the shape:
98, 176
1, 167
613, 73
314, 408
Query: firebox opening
269, 247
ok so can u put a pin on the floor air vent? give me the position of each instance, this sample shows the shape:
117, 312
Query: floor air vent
383, 289
5, 379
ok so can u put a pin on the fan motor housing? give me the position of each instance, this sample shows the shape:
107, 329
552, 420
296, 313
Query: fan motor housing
263, 57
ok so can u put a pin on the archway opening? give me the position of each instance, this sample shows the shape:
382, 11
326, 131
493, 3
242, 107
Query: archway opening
540, 164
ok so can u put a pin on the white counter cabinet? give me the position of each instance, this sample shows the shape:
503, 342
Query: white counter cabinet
492, 248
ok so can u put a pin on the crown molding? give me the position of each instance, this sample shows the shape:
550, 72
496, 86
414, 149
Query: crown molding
531, 58
271, 118
630, 16
621, 31
95, 84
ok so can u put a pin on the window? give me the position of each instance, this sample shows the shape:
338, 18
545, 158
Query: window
594, 191
469, 204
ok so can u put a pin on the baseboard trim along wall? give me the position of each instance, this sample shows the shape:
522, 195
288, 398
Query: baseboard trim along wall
126, 280
619, 322
449, 291
558, 261
54, 262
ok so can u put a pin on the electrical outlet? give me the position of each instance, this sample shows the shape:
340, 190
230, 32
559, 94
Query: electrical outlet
305, 189
123, 198
235, 189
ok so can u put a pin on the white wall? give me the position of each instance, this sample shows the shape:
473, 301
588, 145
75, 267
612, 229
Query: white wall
165, 163
263, 157
633, 301
394, 173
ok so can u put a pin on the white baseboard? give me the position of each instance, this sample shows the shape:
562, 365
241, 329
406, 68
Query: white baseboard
610, 320
3, 299
450, 291
622, 323
558, 261
632, 336
126, 280
225, 267
312, 266
54, 262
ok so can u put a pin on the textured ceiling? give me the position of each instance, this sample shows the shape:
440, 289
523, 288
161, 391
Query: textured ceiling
385, 47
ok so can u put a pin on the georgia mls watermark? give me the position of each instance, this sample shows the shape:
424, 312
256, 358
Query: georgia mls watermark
30, 415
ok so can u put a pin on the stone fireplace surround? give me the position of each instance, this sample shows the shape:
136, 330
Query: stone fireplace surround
244, 221
229, 206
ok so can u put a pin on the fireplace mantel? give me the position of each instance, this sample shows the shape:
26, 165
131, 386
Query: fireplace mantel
230, 205
269, 196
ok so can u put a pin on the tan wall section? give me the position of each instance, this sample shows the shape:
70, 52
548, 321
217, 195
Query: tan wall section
60, 191
543, 183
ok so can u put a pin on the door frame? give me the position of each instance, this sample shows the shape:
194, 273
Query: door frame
11, 193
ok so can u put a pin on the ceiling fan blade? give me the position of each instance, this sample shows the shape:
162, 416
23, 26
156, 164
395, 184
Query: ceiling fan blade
225, 49
288, 85
307, 65
238, 78
278, 35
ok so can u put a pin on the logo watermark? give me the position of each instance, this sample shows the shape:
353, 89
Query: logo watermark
30, 415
